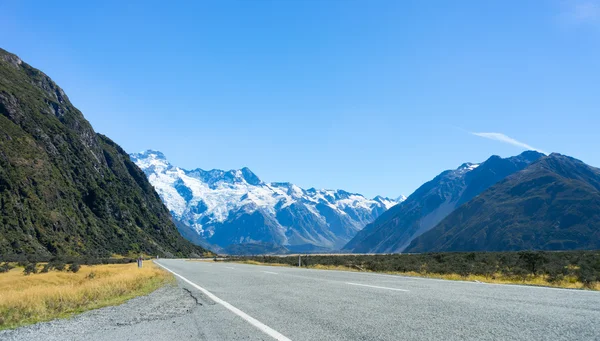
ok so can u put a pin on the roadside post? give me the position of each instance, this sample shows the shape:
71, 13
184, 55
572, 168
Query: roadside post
299, 261
139, 262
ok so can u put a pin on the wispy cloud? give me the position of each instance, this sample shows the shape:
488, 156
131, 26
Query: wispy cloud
582, 11
507, 139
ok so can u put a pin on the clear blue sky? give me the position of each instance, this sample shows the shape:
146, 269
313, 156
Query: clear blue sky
374, 96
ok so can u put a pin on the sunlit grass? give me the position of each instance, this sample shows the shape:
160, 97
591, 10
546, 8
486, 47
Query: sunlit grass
567, 282
259, 263
45, 296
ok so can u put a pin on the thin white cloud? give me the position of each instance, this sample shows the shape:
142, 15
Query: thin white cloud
582, 11
506, 139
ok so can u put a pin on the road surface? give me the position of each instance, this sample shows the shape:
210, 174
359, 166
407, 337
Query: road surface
305, 304
228, 301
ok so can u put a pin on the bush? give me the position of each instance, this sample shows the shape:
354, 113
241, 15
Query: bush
58, 265
589, 270
74, 267
6, 267
47, 267
30, 268
93, 261
532, 261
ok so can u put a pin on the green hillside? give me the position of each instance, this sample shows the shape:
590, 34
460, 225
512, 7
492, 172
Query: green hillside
554, 204
65, 189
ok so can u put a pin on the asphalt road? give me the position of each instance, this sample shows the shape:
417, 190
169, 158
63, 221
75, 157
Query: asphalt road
304, 304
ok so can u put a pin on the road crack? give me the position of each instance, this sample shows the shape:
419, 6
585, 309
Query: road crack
192, 295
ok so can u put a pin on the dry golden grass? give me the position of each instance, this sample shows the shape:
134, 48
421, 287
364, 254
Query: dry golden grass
259, 263
45, 296
568, 283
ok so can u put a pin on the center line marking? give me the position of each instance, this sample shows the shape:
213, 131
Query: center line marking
269, 272
376, 287
256, 323
228, 267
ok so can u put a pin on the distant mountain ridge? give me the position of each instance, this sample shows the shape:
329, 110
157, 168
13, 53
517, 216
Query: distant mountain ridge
235, 207
395, 229
66, 190
554, 204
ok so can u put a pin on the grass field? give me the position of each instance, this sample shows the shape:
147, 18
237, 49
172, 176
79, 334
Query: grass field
45, 296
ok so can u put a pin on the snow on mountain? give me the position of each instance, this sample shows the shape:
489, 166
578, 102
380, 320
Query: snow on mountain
401, 198
231, 207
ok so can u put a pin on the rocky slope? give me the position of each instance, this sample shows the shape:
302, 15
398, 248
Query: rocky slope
554, 204
65, 189
235, 207
395, 229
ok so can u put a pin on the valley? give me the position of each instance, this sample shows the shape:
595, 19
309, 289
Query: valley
484, 115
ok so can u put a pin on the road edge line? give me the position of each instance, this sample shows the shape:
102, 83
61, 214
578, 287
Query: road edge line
256, 323
376, 287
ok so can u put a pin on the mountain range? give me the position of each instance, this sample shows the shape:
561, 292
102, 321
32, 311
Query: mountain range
66, 190
394, 230
227, 209
554, 204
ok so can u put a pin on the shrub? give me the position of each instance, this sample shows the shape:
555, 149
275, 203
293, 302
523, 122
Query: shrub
93, 261
589, 270
6, 267
30, 268
532, 260
74, 267
58, 265
47, 267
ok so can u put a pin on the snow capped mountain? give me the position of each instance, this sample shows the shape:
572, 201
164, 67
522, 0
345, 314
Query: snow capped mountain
236, 207
401, 198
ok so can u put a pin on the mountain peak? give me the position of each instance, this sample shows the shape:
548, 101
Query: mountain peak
531, 155
250, 177
467, 166
150, 159
558, 156
10, 58
152, 153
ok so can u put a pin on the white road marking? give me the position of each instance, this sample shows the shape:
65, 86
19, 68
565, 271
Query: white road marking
228, 267
256, 323
272, 273
374, 286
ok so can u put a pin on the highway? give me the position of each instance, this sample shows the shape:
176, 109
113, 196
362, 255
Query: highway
279, 303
